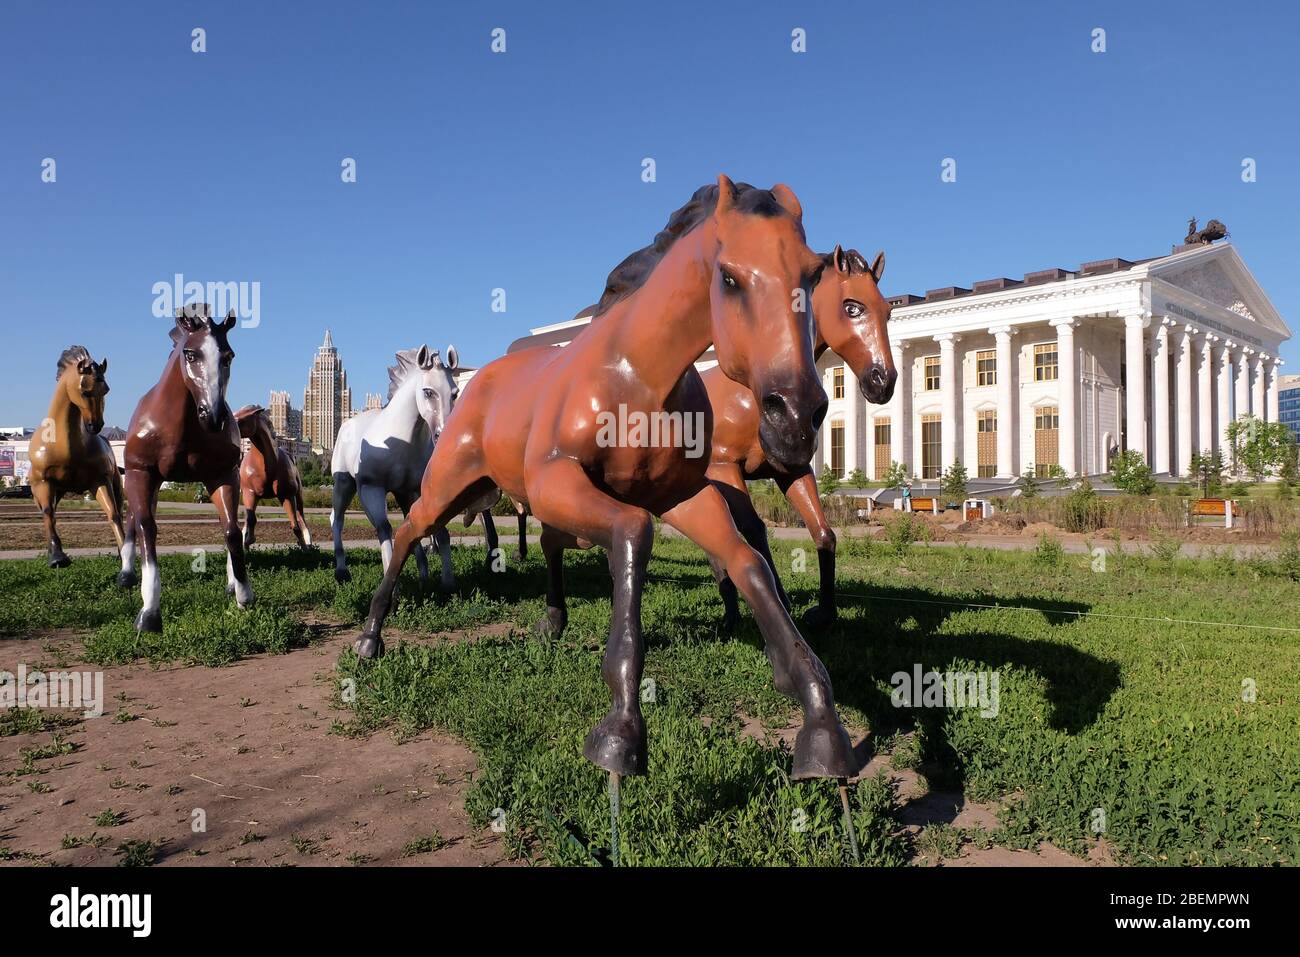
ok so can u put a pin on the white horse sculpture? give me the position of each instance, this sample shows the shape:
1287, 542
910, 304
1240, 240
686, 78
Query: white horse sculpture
386, 450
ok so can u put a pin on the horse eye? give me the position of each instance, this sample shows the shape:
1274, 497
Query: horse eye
729, 280
191, 355
853, 309
428, 393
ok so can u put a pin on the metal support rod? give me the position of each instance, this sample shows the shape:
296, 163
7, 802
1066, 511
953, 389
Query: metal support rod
615, 800
848, 820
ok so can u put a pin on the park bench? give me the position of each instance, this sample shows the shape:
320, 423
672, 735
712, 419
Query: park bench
915, 504
1224, 508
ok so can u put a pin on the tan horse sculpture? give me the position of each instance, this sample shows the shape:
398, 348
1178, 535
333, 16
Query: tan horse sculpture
267, 471
69, 456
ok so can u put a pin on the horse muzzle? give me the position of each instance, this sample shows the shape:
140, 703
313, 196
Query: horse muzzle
210, 421
788, 426
877, 384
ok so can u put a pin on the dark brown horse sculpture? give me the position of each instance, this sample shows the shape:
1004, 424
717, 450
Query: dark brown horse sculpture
183, 431
68, 455
731, 268
850, 317
267, 471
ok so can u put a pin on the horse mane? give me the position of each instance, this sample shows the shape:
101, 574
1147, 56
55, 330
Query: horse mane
70, 357
629, 275
250, 410
855, 261
407, 362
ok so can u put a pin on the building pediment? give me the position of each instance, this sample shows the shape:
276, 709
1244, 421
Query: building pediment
1217, 275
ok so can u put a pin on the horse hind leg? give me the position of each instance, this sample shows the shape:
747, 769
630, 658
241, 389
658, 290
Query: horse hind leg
250, 518
110, 500
421, 560
302, 519
224, 498
141, 490
295, 522
345, 486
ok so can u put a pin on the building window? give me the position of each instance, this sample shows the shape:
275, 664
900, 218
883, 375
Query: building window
1045, 362
931, 373
1047, 422
837, 449
987, 443
883, 447
986, 368
837, 382
931, 445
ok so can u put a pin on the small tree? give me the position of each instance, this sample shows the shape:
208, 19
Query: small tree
1207, 469
1259, 448
856, 479
1028, 482
953, 482
1131, 474
827, 483
895, 475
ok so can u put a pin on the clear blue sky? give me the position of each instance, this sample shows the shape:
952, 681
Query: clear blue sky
523, 170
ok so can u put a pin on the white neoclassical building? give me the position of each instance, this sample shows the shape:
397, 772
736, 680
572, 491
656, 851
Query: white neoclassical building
1058, 368
1066, 368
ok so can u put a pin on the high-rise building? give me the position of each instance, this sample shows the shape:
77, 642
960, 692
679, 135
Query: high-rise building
1289, 403
327, 400
285, 419
373, 401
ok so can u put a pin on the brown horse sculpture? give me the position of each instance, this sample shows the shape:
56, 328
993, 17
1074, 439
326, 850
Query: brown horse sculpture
69, 456
183, 431
731, 268
267, 471
850, 317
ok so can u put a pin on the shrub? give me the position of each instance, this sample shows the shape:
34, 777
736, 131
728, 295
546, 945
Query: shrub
953, 482
1131, 474
1083, 510
1049, 551
903, 531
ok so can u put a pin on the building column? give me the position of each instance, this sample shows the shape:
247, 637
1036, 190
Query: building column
852, 416
1183, 399
1241, 380
899, 406
1257, 394
1271, 390
1160, 397
1067, 395
948, 399
1205, 396
1008, 413
1135, 389
1223, 416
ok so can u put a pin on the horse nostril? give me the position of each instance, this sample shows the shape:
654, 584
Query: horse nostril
877, 377
775, 406
819, 415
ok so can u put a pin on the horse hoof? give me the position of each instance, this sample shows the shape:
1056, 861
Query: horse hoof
823, 750
729, 621
248, 542
617, 744
230, 589
447, 583
518, 557
368, 646
820, 616
126, 579
60, 561
342, 576
149, 620
553, 625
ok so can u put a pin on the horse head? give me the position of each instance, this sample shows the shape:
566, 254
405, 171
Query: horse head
852, 319
763, 274
205, 358
84, 383
435, 389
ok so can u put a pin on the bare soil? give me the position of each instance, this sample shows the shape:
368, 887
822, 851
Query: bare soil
250, 747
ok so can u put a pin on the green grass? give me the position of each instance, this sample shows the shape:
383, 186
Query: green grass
1112, 695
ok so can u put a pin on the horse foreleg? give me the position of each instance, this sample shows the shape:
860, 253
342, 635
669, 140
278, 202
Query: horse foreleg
302, 518
295, 523
561, 495
47, 500
822, 749
223, 497
490, 535
374, 500
250, 517
345, 486
110, 501
522, 514
801, 491
405, 502
142, 491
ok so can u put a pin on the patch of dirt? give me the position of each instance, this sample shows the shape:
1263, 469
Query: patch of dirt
250, 747
91, 531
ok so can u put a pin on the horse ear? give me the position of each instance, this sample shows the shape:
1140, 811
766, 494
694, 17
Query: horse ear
230, 321
422, 358
726, 195
878, 265
103, 366
788, 200
839, 260
453, 360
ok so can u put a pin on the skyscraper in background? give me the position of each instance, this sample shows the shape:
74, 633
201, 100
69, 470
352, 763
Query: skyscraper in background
285, 419
327, 400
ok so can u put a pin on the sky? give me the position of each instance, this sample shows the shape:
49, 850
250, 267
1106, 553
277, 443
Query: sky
522, 171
